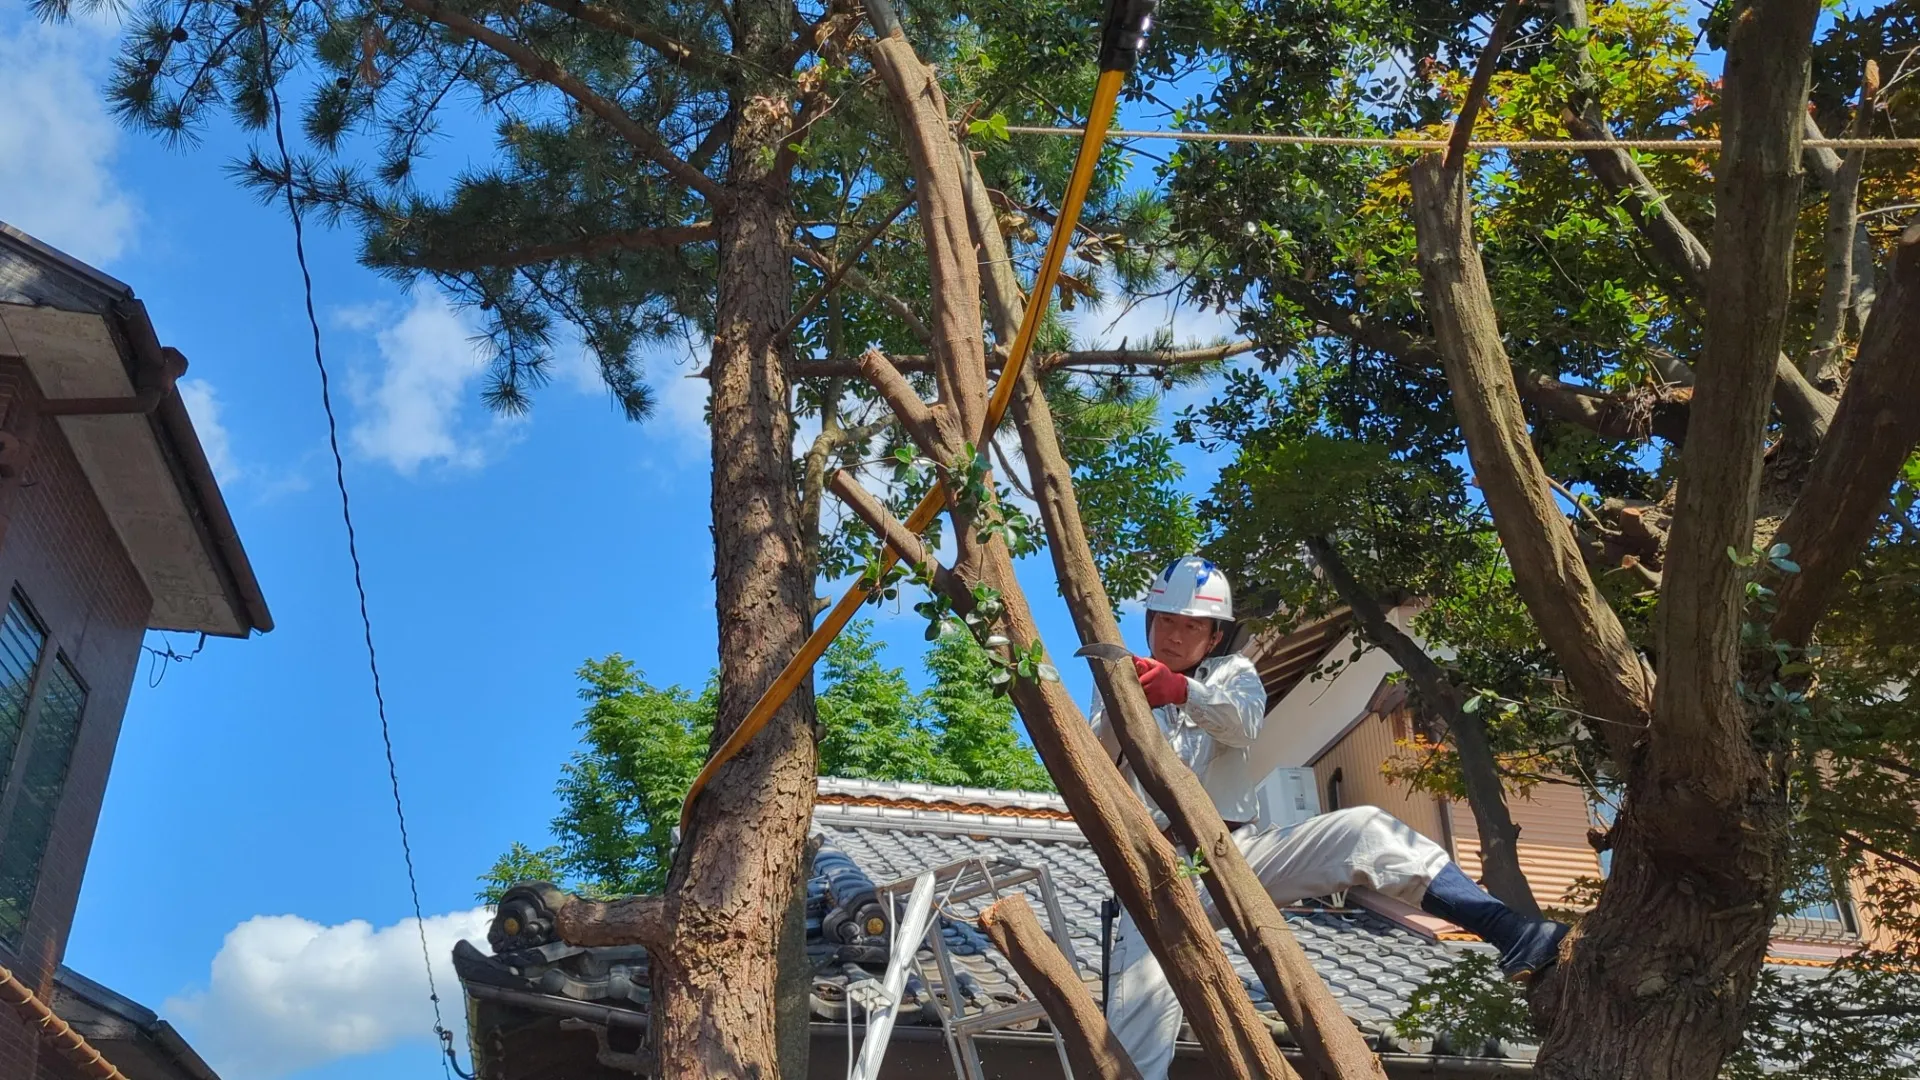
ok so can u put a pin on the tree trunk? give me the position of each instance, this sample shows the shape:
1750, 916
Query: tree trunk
1499, 836
737, 867
1661, 976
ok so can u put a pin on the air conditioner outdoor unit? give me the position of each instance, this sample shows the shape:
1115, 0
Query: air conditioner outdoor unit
1288, 796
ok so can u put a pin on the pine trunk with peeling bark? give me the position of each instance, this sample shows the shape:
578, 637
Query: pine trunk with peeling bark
736, 871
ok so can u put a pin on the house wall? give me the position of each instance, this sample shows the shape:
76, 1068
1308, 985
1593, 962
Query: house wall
59, 549
1553, 818
1554, 853
1310, 716
1357, 757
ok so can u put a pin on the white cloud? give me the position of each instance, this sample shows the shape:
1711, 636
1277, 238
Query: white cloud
415, 410
1108, 325
57, 143
286, 993
203, 405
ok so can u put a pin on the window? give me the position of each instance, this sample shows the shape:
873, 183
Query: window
1335, 784
41, 702
1817, 909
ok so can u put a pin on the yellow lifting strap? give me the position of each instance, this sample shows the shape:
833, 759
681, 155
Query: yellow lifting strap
1122, 36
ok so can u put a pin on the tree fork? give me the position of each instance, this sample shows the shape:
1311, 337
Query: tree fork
1140, 863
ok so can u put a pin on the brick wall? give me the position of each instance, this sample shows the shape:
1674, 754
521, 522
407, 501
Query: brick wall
59, 549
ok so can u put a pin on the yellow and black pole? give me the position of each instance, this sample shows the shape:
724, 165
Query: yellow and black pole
1121, 38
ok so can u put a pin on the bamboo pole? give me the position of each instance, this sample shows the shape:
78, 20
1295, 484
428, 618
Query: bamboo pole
57, 1032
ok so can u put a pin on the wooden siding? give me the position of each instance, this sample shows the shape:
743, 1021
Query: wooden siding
1553, 821
1553, 818
1358, 756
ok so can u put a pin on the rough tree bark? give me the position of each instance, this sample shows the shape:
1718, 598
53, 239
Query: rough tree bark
1499, 836
734, 873
714, 936
1092, 1048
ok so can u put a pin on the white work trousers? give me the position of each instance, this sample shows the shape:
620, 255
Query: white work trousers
1317, 857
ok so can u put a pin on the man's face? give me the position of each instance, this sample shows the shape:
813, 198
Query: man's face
1181, 641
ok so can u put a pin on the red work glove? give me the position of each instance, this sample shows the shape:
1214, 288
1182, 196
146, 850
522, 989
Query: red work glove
1164, 686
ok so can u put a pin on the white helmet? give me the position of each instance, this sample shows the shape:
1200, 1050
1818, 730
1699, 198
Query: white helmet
1192, 586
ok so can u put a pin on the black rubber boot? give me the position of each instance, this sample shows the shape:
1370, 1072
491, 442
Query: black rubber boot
1527, 947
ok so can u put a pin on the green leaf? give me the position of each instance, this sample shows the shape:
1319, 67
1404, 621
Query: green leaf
992, 128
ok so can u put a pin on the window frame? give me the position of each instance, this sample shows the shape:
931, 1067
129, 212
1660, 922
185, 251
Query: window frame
12, 784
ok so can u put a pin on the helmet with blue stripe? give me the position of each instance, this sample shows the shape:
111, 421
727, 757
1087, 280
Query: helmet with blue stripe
1192, 586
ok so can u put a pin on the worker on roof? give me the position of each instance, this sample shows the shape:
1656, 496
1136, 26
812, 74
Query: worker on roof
1210, 704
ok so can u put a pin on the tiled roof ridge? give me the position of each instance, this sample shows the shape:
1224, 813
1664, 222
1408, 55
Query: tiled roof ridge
840, 789
982, 809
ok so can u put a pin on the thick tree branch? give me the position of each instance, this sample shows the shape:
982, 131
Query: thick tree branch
1621, 416
1092, 1048
1480, 773
631, 920
538, 67
1609, 415
1873, 433
1843, 219
1326, 1036
1574, 619
589, 247
699, 60
934, 156
893, 532
920, 420
1698, 750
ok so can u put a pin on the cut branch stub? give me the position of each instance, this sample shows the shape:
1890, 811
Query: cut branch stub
1092, 1048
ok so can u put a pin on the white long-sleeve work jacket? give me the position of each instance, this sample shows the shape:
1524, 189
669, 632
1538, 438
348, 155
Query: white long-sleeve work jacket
1211, 733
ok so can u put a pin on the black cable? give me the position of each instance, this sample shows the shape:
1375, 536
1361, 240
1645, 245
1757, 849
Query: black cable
353, 547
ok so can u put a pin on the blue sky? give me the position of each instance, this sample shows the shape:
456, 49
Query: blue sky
246, 878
